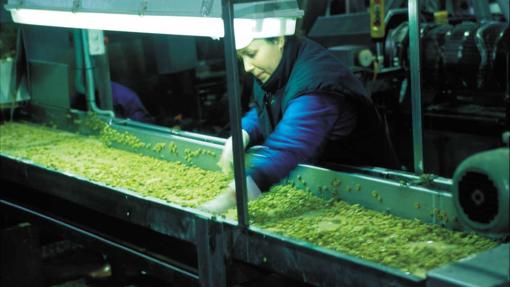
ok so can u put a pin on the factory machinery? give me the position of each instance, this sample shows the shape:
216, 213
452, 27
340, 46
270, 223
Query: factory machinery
463, 69
183, 246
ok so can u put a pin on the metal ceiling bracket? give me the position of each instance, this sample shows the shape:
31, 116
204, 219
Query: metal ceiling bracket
205, 8
76, 5
143, 7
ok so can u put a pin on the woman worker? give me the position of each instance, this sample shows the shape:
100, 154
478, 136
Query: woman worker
308, 107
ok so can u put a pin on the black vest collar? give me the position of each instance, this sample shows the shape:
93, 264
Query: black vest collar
281, 75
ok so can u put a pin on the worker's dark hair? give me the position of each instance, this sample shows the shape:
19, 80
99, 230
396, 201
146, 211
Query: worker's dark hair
274, 39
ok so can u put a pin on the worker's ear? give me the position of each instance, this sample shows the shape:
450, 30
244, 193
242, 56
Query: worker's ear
280, 42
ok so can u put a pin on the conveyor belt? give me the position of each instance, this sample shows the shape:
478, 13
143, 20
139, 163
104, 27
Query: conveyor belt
295, 258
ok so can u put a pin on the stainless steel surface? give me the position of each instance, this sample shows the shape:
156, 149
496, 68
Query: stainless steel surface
50, 84
165, 130
473, 271
187, 141
312, 264
426, 198
404, 198
408, 197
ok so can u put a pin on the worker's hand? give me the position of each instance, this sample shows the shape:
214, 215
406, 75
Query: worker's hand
226, 162
227, 199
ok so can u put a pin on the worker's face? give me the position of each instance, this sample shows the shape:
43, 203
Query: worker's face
261, 57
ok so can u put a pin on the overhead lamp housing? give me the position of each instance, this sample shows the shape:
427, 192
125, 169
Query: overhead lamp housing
174, 17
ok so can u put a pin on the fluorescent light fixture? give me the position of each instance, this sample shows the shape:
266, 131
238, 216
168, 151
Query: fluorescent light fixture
174, 25
176, 17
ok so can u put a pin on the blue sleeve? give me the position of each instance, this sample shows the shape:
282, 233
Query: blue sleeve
128, 104
250, 123
296, 139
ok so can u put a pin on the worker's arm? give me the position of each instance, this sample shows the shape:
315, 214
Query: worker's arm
298, 137
250, 134
250, 123
127, 104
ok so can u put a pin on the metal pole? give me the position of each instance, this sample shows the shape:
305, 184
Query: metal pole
414, 47
78, 55
234, 100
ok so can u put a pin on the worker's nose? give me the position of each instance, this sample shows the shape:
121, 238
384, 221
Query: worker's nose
248, 67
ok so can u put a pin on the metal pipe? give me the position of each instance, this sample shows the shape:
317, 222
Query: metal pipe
101, 68
414, 47
234, 103
507, 96
78, 56
89, 76
103, 81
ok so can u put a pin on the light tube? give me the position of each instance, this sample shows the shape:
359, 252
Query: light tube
173, 25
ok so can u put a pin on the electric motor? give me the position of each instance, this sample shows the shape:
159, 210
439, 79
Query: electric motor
480, 191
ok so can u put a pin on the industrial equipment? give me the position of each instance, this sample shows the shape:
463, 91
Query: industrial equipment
463, 71
111, 184
481, 191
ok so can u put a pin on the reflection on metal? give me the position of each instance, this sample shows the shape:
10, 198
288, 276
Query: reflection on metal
170, 131
414, 47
